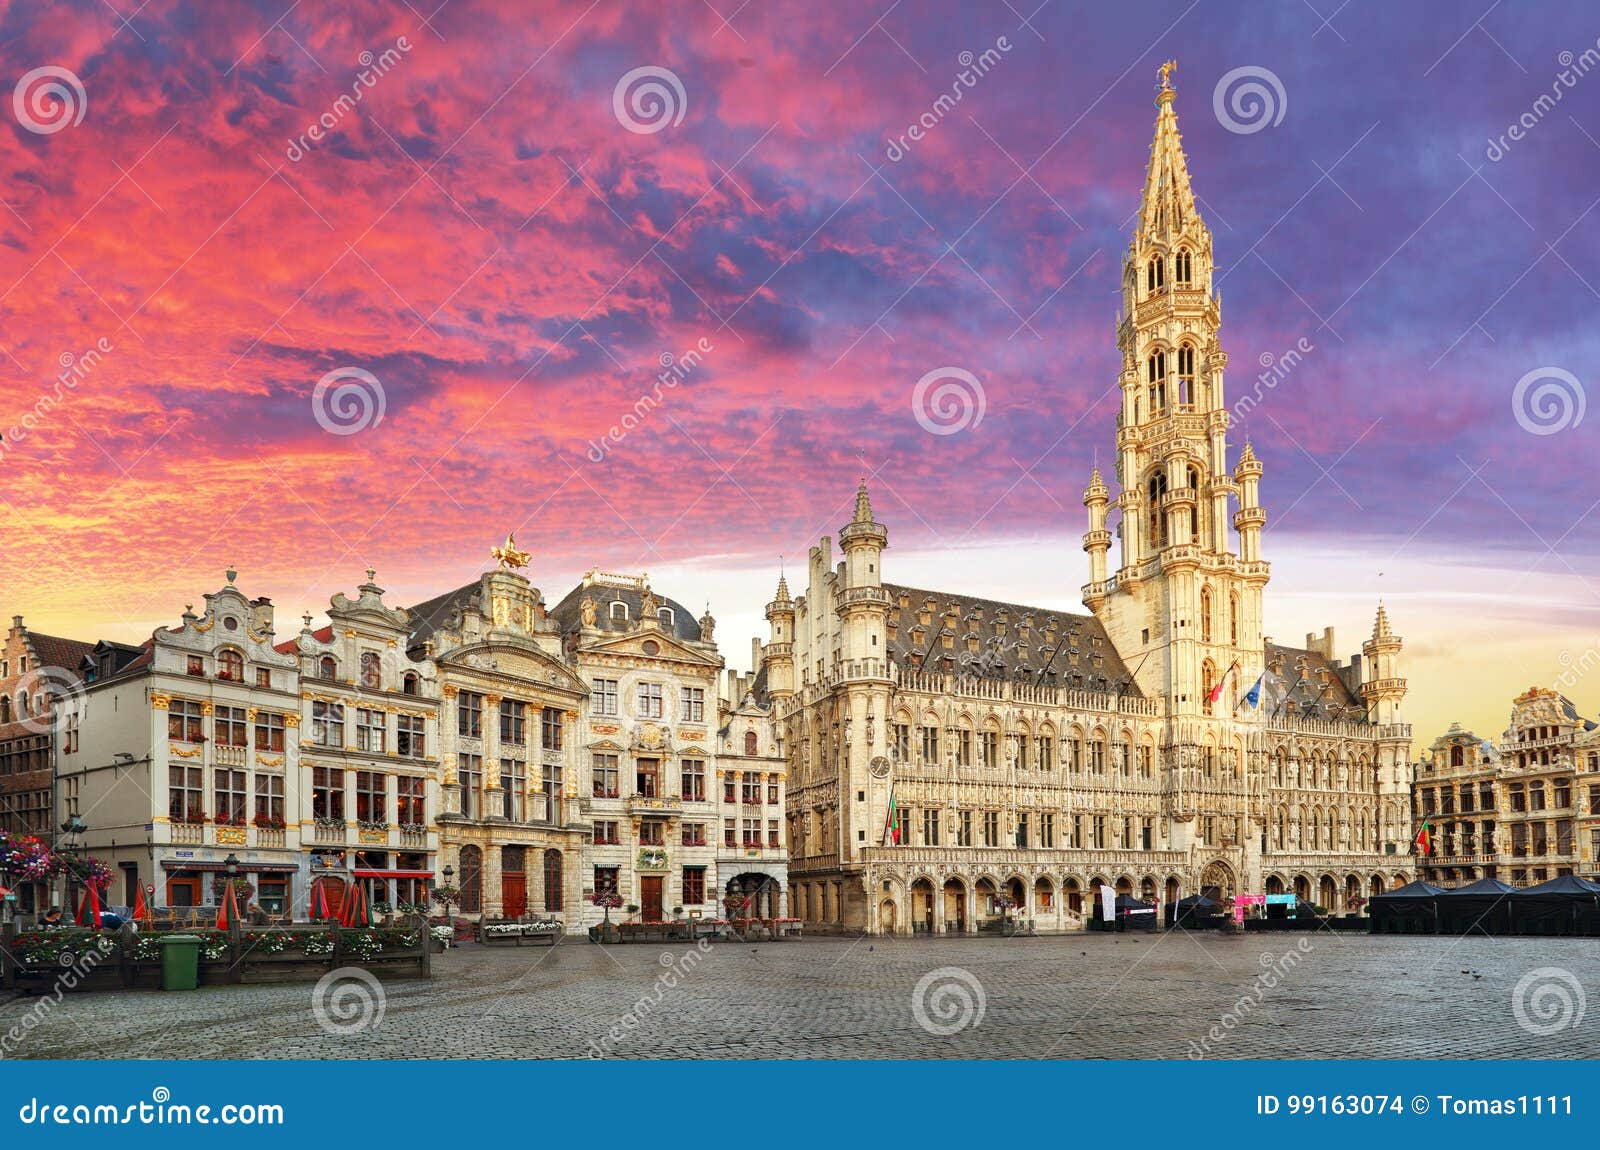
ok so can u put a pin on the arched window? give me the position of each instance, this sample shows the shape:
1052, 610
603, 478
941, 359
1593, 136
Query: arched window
618, 610
1181, 270
327, 667
1457, 757
750, 743
5, 708
371, 670
230, 665
1233, 618
408, 685
471, 880
1205, 614
1186, 375
665, 615
1156, 274
552, 880
1156, 370
1158, 488
1208, 681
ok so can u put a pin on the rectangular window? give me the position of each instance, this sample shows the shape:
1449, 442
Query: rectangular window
930, 827
1047, 830
647, 778
263, 677
694, 780
728, 785
605, 833
469, 715
752, 832
470, 770
750, 788
513, 721
228, 726
694, 885
327, 792
1097, 832
197, 666
550, 784
604, 696
772, 832
411, 804
269, 801
902, 742
772, 792
694, 834
902, 826
269, 731
1022, 831
370, 731
963, 828
514, 781
606, 783
410, 737
991, 828
272, 893
230, 796
327, 724
930, 745
372, 797
1047, 753
185, 800
184, 721
605, 880
652, 833
550, 728
1097, 757
730, 833
692, 701
963, 748
988, 749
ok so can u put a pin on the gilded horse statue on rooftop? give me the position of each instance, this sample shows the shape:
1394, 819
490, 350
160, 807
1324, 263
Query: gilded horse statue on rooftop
508, 555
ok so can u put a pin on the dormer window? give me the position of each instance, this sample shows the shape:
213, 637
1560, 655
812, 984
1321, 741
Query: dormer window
327, 667
408, 685
371, 671
618, 611
230, 666
664, 614
197, 666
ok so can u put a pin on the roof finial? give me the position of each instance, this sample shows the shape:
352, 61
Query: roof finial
1165, 72
232, 573
863, 503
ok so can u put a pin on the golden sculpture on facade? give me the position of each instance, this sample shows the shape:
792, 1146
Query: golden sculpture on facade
508, 555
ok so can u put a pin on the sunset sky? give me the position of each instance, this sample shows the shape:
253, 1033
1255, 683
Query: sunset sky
508, 258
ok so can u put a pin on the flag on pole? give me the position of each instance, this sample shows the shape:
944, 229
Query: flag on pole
1216, 692
1252, 697
891, 828
1425, 837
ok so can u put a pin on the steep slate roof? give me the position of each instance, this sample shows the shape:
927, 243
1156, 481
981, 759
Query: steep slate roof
568, 613
430, 616
1009, 655
51, 651
1312, 698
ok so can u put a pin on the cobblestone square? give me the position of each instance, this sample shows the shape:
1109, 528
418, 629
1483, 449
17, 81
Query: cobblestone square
1092, 996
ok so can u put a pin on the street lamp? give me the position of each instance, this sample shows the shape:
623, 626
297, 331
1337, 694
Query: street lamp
449, 873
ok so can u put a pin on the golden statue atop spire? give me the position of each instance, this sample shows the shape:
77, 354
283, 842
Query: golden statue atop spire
508, 555
1165, 72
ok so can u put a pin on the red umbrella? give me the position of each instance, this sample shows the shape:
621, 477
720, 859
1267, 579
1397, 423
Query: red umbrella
347, 905
141, 908
363, 912
229, 909
89, 912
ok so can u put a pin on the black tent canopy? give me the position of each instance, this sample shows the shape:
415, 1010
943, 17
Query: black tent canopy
1482, 907
1566, 904
1411, 909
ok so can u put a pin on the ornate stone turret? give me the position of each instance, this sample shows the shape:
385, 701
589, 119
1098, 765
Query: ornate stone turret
778, 654
1251, 516
1096, 540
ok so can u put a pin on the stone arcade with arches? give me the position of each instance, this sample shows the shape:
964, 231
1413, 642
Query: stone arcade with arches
953, 758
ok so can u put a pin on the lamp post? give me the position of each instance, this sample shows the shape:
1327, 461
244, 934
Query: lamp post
73, 828
449, 873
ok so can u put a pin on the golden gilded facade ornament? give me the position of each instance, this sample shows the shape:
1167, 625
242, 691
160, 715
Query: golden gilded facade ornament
508, 556
1165, 72
159, 702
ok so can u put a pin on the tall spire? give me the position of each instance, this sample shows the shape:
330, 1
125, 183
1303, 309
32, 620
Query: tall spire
863, 504
1168, 204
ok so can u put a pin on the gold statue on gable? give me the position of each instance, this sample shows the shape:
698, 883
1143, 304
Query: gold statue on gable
508, 555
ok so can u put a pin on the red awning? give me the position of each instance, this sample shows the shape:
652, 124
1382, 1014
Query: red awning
190, 864
362, 873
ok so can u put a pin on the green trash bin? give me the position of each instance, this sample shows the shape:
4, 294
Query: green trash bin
180, 961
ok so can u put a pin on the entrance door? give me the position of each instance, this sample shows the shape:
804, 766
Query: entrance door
513, 894
650, 897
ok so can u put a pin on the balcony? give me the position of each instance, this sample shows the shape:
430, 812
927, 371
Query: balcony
271, 837
330, 831
189, 834
654, 804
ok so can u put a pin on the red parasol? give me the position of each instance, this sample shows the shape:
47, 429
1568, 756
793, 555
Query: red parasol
229, 908
89, 912
141, 909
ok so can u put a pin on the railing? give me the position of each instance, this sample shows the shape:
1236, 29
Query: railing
655, 803
224, 756
328, 832
189, 834
270, 837
1006, 857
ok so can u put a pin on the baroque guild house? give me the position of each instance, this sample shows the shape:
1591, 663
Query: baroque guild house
952, 757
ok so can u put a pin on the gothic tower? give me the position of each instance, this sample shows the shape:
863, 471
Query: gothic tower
1184, 606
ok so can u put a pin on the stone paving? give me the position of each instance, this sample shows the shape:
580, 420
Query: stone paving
1081, 996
